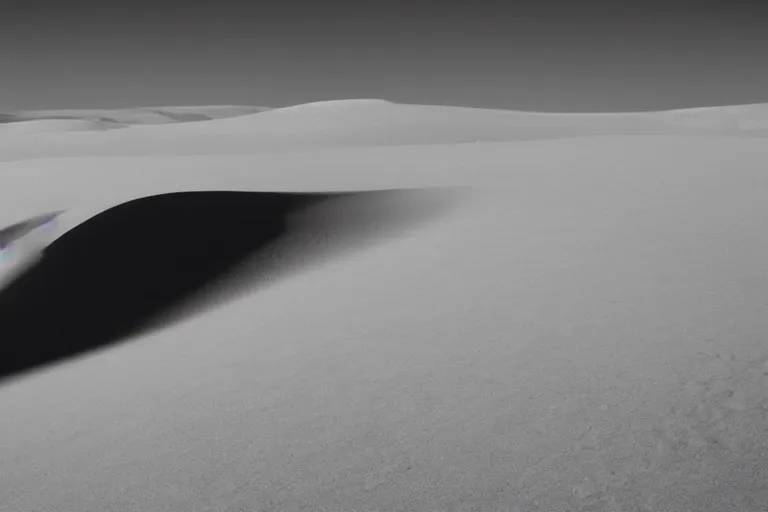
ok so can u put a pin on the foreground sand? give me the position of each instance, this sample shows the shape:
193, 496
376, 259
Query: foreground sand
584, 329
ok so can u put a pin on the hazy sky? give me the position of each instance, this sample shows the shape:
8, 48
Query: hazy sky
542, 55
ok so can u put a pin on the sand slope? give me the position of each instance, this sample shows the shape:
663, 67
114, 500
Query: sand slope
583, 330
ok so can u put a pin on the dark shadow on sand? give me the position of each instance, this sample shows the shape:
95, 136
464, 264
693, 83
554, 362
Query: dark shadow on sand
148, 262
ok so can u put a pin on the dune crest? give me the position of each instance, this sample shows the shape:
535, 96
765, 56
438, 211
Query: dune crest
341, 104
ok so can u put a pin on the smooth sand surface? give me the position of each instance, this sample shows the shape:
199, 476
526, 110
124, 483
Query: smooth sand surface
345, 123
585, 329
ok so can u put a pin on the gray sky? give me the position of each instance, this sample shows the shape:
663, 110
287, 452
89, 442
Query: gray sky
538, 55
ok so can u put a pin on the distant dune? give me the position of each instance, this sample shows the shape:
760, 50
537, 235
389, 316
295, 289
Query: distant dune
41, 126
363, 122
378, 122
131, 116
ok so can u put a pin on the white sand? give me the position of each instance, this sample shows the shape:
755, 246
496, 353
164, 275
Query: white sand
362, 123
585, 331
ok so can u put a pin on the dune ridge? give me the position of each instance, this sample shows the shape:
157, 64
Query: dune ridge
363, 122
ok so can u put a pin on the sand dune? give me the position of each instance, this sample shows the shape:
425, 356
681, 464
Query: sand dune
41, 126
55, 124
130, 116
378, 122
745, 118
106, 277
133, 263
369, 123
584, 330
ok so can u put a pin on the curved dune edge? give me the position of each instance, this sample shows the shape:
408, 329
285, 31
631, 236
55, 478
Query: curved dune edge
131, 265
